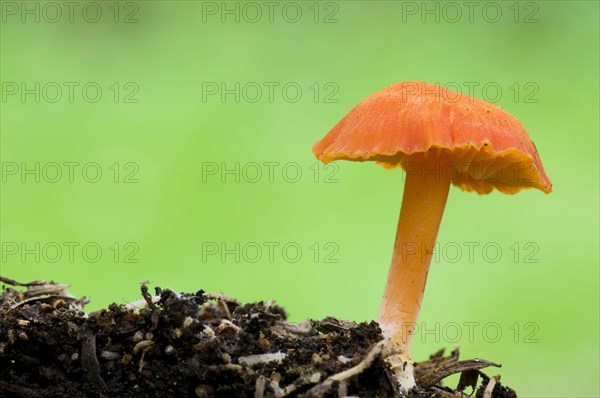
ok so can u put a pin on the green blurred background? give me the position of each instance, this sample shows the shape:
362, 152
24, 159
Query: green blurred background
193, 157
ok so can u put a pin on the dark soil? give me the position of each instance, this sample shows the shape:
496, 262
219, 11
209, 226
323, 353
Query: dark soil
200, 345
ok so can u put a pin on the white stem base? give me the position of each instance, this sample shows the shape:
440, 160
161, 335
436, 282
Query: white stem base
403, 371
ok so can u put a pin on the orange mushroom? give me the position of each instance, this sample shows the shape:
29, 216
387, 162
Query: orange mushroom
438, 137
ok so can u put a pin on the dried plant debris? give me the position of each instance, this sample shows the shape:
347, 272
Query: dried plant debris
200, 345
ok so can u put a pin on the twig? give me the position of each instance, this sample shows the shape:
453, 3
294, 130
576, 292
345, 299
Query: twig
89, 360
219, 296
302, 381
13, 282
446, 369
222, 305
259, 389
42, 290
489, 389
147, 297
137, 304
324, 387
259, 359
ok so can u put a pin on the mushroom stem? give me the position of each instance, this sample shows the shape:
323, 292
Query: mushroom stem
424, 199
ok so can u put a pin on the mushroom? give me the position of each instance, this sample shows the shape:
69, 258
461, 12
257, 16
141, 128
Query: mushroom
438, 137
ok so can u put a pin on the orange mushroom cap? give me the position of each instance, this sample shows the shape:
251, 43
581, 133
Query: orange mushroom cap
401, 124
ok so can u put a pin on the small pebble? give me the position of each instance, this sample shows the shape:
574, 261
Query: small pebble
187, 322
109, 355
138, 336
170, 350
203, 391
